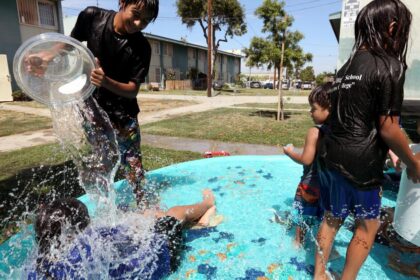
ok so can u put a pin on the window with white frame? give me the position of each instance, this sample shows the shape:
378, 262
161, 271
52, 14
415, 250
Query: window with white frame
38, 12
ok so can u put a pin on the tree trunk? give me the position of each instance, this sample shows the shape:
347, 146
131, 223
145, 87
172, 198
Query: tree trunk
274, 82
280, 107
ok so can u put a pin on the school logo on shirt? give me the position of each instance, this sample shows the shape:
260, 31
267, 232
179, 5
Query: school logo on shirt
350, 80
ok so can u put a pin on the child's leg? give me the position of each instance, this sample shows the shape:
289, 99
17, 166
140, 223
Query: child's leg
325, 238
192, 213
129, 139
299, 236
359, 247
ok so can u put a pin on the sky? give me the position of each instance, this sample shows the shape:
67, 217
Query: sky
311, 17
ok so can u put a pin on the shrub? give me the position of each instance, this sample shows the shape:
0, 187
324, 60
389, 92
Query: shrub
19, 95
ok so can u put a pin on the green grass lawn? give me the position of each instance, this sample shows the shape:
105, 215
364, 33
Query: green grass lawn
273, 106
236, 125
16, 162
176, 92
241, 92
16, 122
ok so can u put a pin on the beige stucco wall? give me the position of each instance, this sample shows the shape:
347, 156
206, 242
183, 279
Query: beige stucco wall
155, 59
28, 31
350, 9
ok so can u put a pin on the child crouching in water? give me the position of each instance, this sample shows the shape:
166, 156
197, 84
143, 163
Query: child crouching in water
307, 193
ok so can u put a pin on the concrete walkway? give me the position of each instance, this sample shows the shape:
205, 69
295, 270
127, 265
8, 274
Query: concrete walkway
202, 146
45, 136
26, 140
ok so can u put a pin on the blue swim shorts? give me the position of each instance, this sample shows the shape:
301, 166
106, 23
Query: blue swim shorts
340, 197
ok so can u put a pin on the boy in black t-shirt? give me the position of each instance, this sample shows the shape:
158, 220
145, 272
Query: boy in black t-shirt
123, 55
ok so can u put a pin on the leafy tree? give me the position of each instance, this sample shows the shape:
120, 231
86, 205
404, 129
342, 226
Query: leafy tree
275, 23
260, 52
228, 18
307, 74
320, 77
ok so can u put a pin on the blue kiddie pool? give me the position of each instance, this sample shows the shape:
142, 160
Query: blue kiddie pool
247, 244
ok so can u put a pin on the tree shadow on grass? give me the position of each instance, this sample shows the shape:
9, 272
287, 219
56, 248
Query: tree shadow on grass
21, 195
271, 114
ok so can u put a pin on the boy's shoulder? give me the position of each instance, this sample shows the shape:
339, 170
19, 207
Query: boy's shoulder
140, 42
93, 11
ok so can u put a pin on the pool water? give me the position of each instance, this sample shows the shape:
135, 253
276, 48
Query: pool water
247, 244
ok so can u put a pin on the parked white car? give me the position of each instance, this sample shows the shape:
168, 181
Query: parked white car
306, 85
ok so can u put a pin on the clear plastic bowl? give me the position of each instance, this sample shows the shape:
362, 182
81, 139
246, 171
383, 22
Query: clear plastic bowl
54, 69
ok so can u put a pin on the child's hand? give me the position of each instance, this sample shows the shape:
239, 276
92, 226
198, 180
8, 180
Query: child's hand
37, 63
395, 161
414, 173
98, 77
288, 149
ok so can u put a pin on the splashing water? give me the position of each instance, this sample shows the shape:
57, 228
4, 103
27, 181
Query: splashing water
87, 136
86, 133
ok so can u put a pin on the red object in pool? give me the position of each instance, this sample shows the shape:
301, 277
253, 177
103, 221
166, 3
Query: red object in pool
215, 154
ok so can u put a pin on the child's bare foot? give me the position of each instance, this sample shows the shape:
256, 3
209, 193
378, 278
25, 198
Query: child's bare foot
205, 219
208, 197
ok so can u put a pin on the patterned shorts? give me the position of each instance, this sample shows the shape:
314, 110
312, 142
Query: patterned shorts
128, 137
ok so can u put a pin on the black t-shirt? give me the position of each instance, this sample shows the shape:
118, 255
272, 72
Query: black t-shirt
365, 89
123, 58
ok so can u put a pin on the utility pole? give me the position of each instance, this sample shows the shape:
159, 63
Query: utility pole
280, 111
209, 49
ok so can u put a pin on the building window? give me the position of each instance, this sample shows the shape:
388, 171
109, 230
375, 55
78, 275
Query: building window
167, 49
37, 12
192, 53
156, 47
46, 13
157, 74
28, 12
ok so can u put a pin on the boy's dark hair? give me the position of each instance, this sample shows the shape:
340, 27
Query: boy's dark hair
51, 220
321, 95
151, 5
372, 29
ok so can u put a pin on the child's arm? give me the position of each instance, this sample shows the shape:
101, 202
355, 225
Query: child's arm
100, 79
309, 149
395, 139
